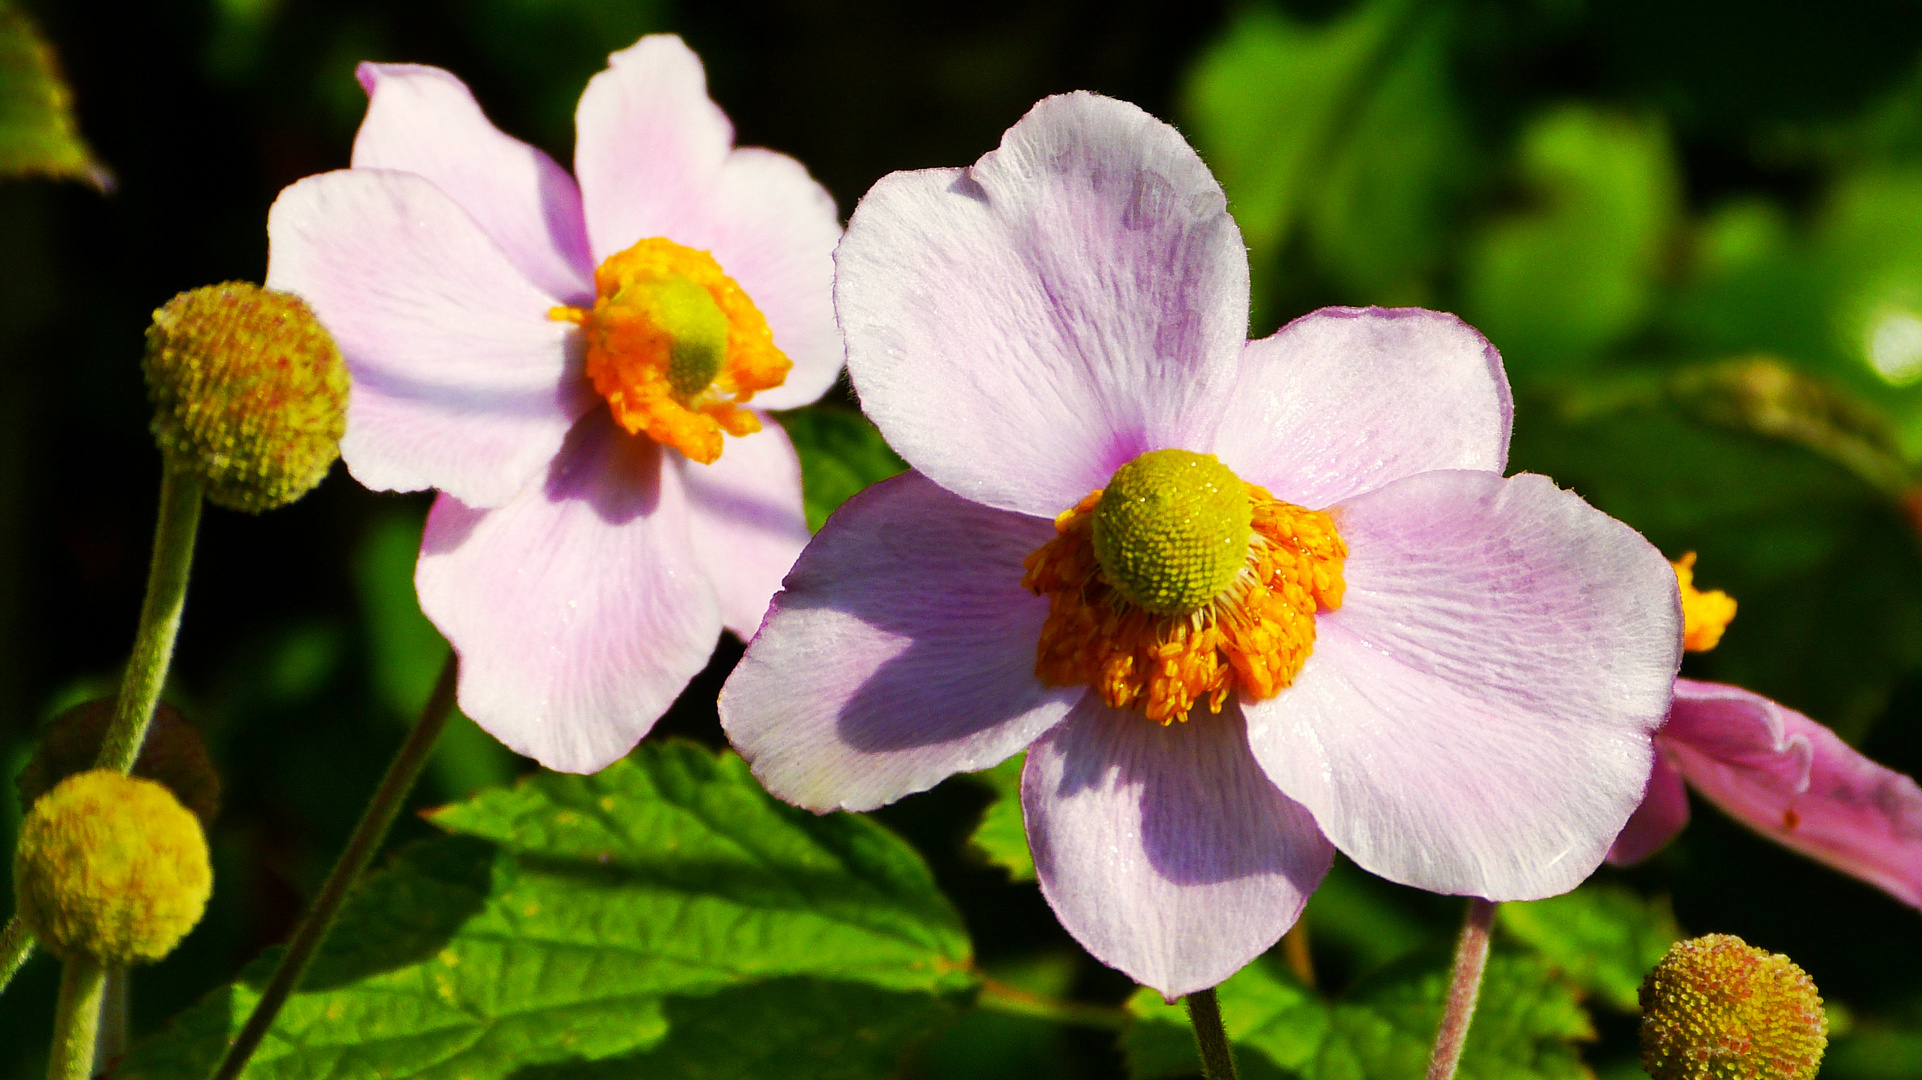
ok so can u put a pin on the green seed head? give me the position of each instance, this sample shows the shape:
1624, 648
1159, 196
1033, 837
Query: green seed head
172, 754
249, 393
1172, 530
1716, 1008
111, 868
694, 325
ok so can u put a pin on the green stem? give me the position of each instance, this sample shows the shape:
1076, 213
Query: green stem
1211, 1038
998, 996
76, 1020
1471, 956
361, 848
153, 643
16, 945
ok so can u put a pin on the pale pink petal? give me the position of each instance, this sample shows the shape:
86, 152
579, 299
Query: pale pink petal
1344, 400
461, 381
746, 521
901, 652
1663, 812
1475, 718
656, 158
649, 146
423, 120
1164, 850
578, 610
1020, 329
1792, 780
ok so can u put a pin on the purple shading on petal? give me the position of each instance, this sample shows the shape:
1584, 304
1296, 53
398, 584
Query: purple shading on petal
1792, 780
1475, 718
746, 520
1663, 812
1344, 400
578, 609
461, 381
901, 652
1166, 851
1020, 329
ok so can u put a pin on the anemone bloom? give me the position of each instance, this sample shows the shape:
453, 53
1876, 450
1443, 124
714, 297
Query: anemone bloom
562, 362
1776, 771
1301, 606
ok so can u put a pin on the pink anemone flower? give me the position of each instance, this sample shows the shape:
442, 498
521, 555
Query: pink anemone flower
1785, 776
1245, 603
561, 362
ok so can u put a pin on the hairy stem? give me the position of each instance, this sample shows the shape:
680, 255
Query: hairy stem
1204, 1012
153, 642
76, 1020
1471, 956
16, 945
406, 767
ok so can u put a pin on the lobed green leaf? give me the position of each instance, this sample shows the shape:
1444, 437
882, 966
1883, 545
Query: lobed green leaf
38, 135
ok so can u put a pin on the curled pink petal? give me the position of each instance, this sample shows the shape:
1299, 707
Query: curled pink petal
578, 609
1475, 718
901, 652
1165, 851
1020, 329
425, 121
1663, 812
461, 381
1322, 410
1795, 782
746, 521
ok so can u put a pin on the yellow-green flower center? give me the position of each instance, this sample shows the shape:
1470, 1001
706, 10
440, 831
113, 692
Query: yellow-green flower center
1172, 530
694, 325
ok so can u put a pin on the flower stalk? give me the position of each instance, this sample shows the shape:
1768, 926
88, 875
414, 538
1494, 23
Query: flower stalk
16, 946
997, 996
1471, 957
1211, 1037
76, 1019
153, 645
368, 835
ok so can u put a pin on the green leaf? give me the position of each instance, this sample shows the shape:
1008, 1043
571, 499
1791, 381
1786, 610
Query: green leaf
1603, 938
578, 919
840, 452
1576, 273
1527, 1025
38, 135
1001, 837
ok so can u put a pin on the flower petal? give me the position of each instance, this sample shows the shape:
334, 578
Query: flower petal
425, 121
1344, 400
746, 521
1165, 851
1792, 780
1020, 329
461, 381
578, 610
1663, 812
1475, 718
656, 158
901, 652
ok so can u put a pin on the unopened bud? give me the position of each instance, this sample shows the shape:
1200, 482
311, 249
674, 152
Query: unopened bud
1717, 1008
110, 868
249, 393
172, 755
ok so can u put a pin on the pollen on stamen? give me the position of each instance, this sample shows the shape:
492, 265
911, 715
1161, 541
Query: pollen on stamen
676, 347
1705, 615
1253, 637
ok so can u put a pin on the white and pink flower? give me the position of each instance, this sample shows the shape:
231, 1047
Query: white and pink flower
579, 561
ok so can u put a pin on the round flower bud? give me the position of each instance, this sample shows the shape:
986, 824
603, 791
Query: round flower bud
249, 393
111, 868
173, 755
1717, 1008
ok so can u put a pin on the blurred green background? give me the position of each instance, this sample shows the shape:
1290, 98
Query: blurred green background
1694, 230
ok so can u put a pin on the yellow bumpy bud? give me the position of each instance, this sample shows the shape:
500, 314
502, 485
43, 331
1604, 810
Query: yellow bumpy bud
249, 393
111, 868
172, 754
1717, 1008
1172, 530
